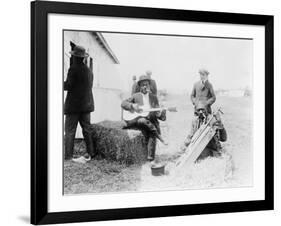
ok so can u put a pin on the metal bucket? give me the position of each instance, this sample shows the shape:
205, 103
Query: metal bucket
158, 169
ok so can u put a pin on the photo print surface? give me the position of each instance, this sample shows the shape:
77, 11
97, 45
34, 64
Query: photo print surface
154, 112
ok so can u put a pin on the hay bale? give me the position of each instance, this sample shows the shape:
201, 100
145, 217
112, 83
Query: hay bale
115, 143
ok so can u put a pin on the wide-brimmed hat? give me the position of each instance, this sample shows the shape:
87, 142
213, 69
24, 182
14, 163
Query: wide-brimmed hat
143, 78
79, 51
204, 71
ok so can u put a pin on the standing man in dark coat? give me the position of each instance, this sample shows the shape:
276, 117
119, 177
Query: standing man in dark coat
153, 86
203, 91
79, 103
149, 125
134, 86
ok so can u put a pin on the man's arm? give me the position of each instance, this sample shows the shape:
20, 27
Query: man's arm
212, 98
222, 134
153, 87
70, 80
128, 104
92, 79
159, 114
162, 115
220, 127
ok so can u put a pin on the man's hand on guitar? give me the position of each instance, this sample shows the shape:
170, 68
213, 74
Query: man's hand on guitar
136, 108
158, 113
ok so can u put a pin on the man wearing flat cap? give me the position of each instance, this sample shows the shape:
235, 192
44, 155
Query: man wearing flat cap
79, 103
203, 91
149, 125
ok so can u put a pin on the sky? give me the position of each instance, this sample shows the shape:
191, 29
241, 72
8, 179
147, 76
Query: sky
175, 60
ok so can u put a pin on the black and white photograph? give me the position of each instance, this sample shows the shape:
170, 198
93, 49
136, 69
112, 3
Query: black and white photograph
156, 112
140, 112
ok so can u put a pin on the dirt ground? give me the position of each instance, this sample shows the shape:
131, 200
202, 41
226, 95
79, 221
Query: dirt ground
233, 169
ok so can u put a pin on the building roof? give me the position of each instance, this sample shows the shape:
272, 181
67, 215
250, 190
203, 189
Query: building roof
105, 45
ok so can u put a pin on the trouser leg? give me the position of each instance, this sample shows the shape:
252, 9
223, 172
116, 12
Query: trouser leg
152, 133
85, 122
194, 127
151, 148
148, 127
71, 121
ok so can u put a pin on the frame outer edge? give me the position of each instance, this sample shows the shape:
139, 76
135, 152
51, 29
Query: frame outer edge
269, 112
32, 132
39, 119
39, 112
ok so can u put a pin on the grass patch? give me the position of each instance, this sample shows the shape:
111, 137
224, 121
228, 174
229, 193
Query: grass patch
98, 176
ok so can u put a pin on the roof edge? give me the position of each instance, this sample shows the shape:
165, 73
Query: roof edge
107, 47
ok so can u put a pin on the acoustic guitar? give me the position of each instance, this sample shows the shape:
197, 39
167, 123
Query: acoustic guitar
128, 115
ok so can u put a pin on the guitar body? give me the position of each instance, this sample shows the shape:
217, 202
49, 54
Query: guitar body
128, 116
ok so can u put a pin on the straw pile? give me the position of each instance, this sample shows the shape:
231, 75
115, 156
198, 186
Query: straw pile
113, 142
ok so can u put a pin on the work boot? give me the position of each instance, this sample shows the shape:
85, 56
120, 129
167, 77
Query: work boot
150, 158
81, 159
87, 157
151, 147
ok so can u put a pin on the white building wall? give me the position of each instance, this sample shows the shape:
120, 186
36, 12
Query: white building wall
232, 93
107, 88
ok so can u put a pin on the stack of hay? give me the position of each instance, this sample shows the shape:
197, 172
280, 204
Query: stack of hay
115, 143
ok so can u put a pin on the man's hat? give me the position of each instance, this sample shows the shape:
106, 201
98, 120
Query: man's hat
79, 51
204, 71
143, 78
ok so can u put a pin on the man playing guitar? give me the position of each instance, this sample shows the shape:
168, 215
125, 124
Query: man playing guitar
149, 124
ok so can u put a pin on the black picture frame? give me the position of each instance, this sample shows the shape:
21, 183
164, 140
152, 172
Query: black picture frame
39, 112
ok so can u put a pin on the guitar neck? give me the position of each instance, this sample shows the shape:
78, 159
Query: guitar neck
127, 115
154, 109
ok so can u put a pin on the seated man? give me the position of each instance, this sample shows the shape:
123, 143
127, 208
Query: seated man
214, 147
149, 124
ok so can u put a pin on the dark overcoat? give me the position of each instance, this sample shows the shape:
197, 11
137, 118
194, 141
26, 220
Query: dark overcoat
79, 84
